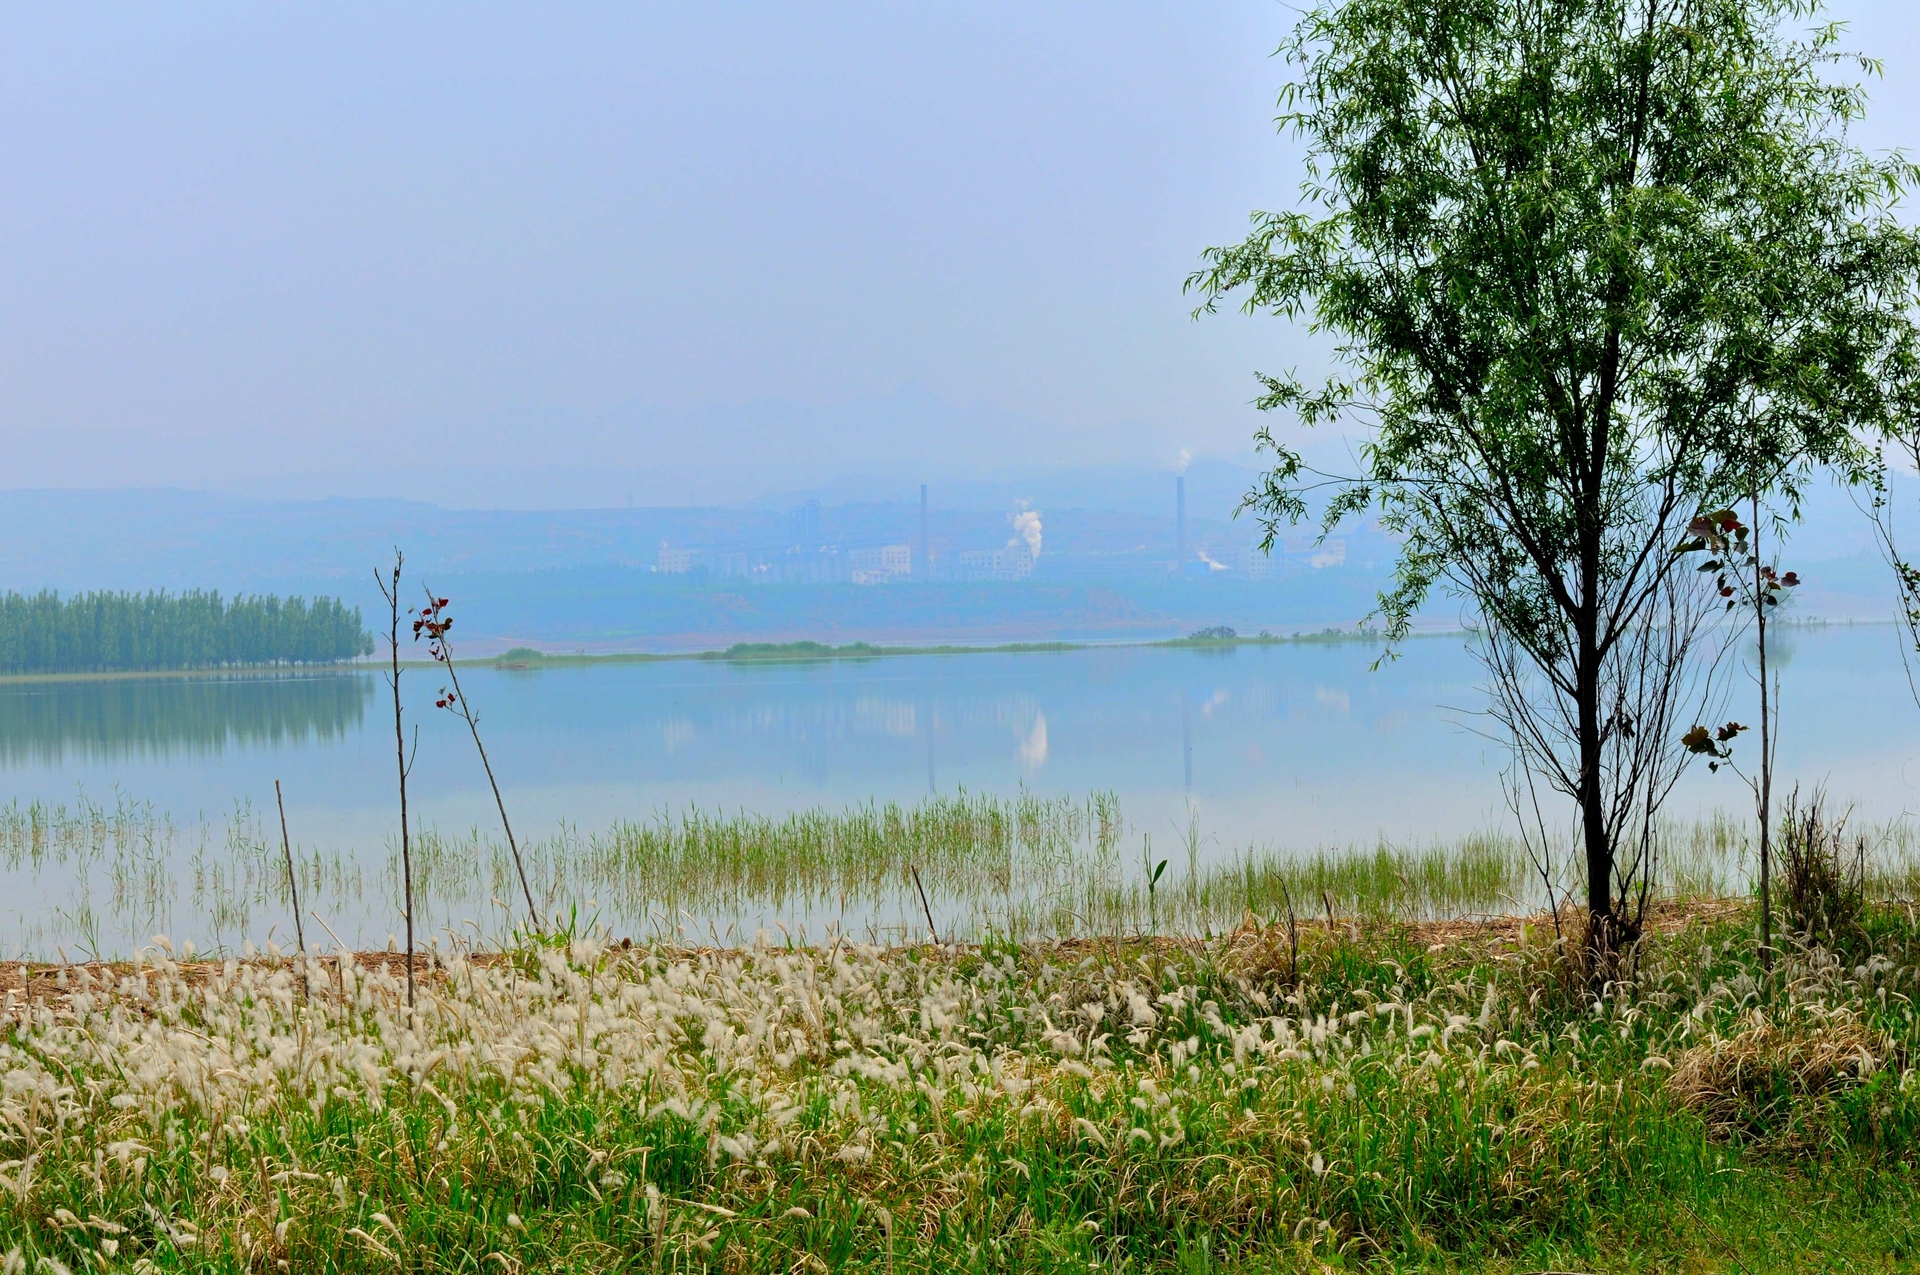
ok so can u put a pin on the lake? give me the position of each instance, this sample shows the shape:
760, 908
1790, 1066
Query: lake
1217, 751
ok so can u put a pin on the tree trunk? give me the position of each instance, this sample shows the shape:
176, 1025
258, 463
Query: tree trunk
1602, 925
1603, 929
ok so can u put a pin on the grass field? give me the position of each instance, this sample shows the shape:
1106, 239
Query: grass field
1392, 1096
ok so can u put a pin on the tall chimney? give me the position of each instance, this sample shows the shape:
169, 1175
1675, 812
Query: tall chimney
926, 559
1180, 513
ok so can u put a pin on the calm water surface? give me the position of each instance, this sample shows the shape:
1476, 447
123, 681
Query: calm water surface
1295, 746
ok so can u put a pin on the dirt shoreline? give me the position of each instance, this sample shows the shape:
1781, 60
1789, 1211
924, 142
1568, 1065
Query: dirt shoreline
54, 980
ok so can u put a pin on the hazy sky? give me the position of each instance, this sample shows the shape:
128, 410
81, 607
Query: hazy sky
575, 254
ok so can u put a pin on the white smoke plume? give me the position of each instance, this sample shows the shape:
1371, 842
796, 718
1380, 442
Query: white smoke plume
1181, 461
1026, 528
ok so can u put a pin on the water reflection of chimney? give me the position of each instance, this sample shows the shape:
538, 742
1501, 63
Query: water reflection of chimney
933, 789
1186, 737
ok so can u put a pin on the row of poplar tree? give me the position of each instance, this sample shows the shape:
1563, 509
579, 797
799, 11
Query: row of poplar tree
110, 632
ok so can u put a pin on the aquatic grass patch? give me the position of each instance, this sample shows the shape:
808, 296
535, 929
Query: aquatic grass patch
1055, 866
1476, 873
963, 845
97, 877
134, 871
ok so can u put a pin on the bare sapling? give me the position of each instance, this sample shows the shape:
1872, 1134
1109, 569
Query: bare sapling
433, 623
1748, 583
390, 590
932, 933
293, 883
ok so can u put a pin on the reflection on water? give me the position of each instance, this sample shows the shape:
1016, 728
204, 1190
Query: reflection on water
50, 722
1227, 763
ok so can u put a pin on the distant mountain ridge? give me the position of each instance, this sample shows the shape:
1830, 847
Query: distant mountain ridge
144, 538
589, 577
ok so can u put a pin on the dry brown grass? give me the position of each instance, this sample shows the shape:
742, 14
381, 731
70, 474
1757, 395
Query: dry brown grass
1266, 953
1272, 953
1763, 1079
24, 985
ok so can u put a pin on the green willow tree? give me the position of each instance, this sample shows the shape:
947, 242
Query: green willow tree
1590, 268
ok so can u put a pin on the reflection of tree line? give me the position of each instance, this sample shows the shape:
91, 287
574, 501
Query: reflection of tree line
49, 721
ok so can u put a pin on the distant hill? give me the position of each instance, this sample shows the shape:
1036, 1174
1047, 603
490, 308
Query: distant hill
589, 577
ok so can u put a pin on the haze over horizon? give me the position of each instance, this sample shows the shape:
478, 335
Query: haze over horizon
590, 256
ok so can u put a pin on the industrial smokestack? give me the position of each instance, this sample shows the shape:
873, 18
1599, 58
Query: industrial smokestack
1026, 531
1180, 515
926, 557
